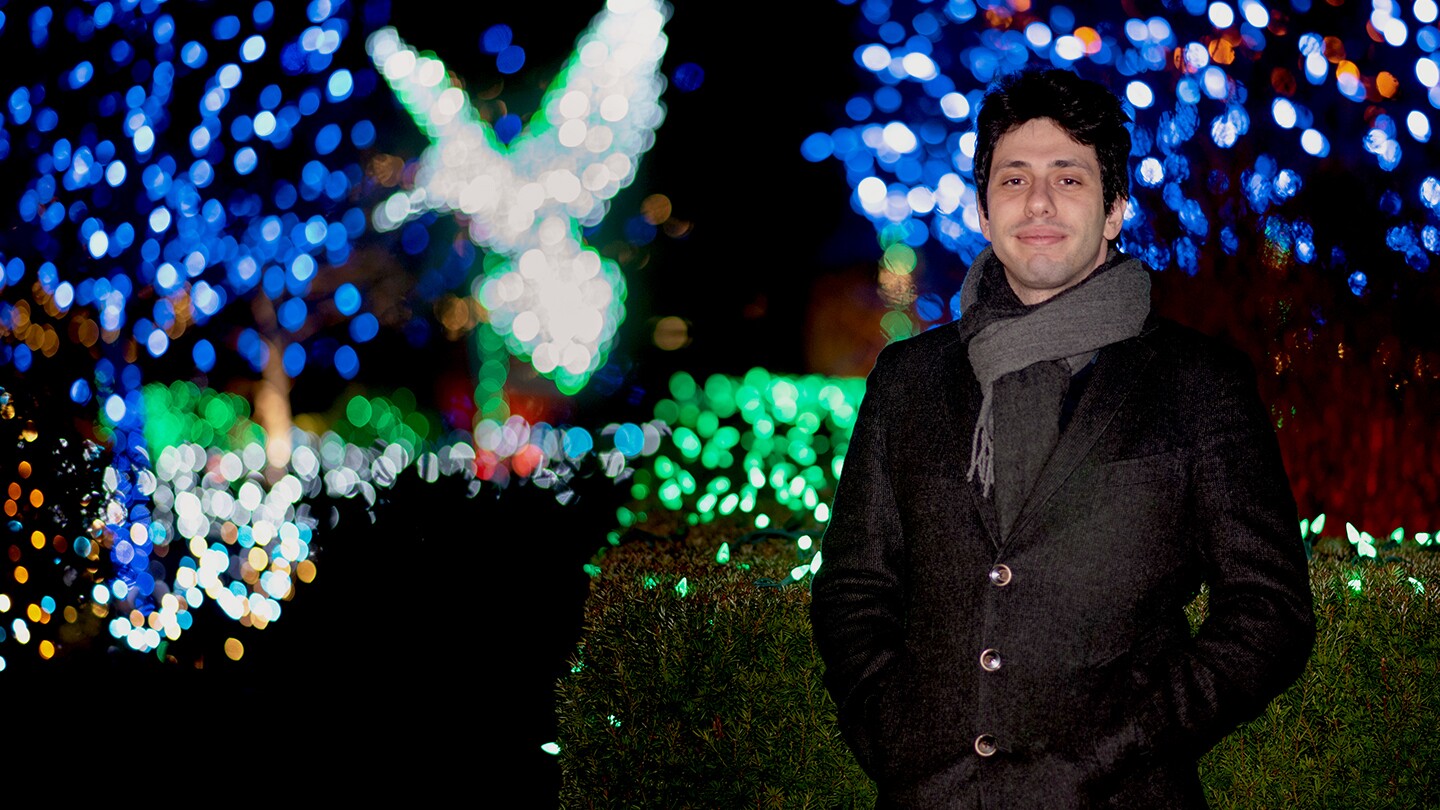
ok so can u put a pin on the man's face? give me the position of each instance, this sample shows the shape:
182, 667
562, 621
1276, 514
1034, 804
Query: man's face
1047, 220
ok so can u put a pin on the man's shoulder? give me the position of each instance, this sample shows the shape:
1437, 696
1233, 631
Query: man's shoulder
919, 352
1184, 349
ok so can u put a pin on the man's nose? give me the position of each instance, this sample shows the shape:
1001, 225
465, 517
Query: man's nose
1039, 202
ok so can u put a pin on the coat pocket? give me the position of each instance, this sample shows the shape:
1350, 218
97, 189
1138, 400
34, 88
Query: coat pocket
908, 742
1131, 471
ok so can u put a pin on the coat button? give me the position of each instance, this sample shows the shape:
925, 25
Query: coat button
989, 660
985, 745
1000, 575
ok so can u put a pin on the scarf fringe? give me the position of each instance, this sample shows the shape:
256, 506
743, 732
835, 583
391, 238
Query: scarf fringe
982, 448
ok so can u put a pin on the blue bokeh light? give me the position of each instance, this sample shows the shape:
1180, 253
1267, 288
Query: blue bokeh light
496, 38
339, 86
510, 59
347, 299
347, 362
362, 134
294, 359
227, 27
688, 77
364, 327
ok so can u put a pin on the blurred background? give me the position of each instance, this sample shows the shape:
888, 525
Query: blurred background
336, 335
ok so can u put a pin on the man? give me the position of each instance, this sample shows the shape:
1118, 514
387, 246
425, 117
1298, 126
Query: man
1033, 494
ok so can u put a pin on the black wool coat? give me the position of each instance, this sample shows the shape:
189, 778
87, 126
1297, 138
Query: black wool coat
1053, 667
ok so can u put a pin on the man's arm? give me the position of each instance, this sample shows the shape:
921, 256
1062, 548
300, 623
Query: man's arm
1259, 626
855, 596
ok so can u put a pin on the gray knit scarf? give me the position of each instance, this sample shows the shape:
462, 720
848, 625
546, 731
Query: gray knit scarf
1105, 308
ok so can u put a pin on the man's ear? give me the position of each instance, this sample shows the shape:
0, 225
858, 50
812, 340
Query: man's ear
984, 223
1114, 220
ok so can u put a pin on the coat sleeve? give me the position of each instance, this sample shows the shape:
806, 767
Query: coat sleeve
1260, 626
855, 606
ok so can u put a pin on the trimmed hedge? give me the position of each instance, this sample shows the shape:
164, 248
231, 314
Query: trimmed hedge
696, 684
709, 699
1361, 728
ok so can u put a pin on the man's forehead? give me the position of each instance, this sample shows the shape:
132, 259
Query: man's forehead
1042, 134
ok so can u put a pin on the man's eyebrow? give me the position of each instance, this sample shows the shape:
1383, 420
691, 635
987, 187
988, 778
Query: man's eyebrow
1057, 163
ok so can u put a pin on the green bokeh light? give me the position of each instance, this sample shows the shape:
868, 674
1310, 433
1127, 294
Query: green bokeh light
764, 445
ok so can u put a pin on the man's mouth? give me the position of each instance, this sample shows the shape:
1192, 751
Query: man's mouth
1040, 237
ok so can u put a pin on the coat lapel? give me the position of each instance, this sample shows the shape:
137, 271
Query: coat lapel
1117, 371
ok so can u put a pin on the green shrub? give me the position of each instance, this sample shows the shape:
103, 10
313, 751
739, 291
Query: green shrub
707, 694
1359, 729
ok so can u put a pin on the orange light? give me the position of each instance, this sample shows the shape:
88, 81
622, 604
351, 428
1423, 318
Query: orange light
998, 18
21, 575
1222, 52
1090, 37
672, 333
1334, 49
13, 491
656, 209
89, 333
37, 539
47, 649
1387, 84
24, 469
526, 459
37, 498
1283, 81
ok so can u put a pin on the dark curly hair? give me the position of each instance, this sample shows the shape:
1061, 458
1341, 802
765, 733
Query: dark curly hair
1087, 111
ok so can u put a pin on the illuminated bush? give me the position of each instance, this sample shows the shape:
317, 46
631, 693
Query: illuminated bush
182, 412
769, 447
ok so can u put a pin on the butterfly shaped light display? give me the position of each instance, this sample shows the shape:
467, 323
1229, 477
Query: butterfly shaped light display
556, 301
